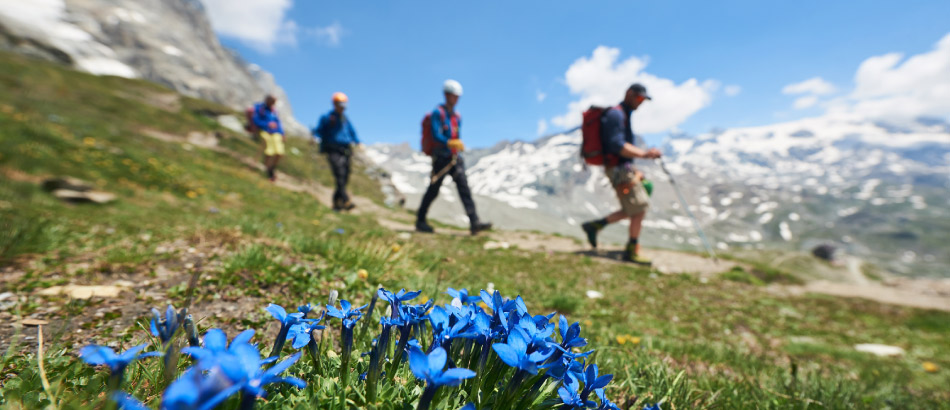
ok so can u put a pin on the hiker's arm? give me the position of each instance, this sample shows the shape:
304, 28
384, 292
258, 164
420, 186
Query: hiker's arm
356, 139
632, 151
436, 121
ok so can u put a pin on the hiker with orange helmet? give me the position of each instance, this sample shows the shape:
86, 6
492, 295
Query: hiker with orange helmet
267, 123
337, 138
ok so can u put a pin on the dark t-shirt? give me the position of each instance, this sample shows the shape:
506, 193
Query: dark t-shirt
615, 129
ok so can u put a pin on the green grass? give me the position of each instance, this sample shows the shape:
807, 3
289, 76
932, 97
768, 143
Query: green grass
716, 344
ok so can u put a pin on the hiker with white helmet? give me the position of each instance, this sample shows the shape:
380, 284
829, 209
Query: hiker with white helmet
337, 138
441, 140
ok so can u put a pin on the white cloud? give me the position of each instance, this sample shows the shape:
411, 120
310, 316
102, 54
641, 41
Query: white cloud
330, 34
602, 80
889, 87
542, 127
807, 101
541, 96
813, 86
261, 24
732, 90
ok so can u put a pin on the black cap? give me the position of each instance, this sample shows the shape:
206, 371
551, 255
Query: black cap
639, 89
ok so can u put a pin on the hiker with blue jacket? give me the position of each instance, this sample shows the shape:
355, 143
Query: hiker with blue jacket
441, 131
337, 138
620, 148
268, 125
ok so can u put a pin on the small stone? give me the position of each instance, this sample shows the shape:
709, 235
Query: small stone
34, 322
593, 294
879, 349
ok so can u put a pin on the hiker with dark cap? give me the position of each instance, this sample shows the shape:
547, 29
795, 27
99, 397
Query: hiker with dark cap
440, 140
268, 123
620, 149
337, 138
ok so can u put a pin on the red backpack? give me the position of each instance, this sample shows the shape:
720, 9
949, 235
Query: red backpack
592, 145
428, 140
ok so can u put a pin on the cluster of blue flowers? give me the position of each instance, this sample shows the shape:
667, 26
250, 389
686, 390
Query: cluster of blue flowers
501, 357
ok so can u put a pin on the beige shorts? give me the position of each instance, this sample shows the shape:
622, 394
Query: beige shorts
274, 143
633, 197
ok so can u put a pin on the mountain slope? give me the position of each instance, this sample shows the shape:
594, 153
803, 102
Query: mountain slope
169, 42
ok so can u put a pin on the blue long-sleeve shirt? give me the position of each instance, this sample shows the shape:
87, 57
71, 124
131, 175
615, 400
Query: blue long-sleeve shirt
615, 131
442, 132
335, 133
263, 116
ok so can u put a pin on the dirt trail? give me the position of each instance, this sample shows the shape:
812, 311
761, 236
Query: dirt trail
920, 293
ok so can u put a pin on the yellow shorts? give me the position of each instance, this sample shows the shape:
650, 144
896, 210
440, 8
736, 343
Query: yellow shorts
633, 197
274, 143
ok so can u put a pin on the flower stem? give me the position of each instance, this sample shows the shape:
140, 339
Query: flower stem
426, 398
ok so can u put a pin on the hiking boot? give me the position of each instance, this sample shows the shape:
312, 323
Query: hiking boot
480, 226
591, 230
348, 206
423, 227
632, 255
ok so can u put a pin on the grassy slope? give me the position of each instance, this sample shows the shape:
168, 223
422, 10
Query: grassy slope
718, 344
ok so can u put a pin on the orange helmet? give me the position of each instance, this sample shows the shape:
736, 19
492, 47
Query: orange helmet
340, 97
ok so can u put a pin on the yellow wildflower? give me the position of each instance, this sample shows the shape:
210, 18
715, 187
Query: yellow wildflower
90, 141
396, 248
315, 222
191, 194
930, 367
362, 274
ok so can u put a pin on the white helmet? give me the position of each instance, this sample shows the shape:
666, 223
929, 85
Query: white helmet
452, 87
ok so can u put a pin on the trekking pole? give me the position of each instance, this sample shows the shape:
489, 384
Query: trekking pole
440, 174
685, 206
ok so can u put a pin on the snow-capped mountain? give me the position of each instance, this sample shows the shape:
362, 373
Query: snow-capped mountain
878, 190
169, 42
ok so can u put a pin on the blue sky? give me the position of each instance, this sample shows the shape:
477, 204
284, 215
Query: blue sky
391, 58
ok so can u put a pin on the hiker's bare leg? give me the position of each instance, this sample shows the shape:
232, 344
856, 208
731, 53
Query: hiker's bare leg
616, 217
636, 222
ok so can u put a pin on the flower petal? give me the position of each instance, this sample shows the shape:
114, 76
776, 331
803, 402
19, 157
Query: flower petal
243, 337
277, 312
437, 359
216, 340
96, 355
418, 363
507, 354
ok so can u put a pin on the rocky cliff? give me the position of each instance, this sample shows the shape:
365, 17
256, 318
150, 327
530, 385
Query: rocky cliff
170, 42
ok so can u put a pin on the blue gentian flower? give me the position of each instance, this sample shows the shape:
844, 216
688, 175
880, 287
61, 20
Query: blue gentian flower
305, 309
200, 390
216, 347
570, 335
300, 332
431, 368
463, 296
653, 407
395, 299
569, 396
252, 377
165, 327
515, 353
345, 311
592, 381
286, 321
606, 404
101, 355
